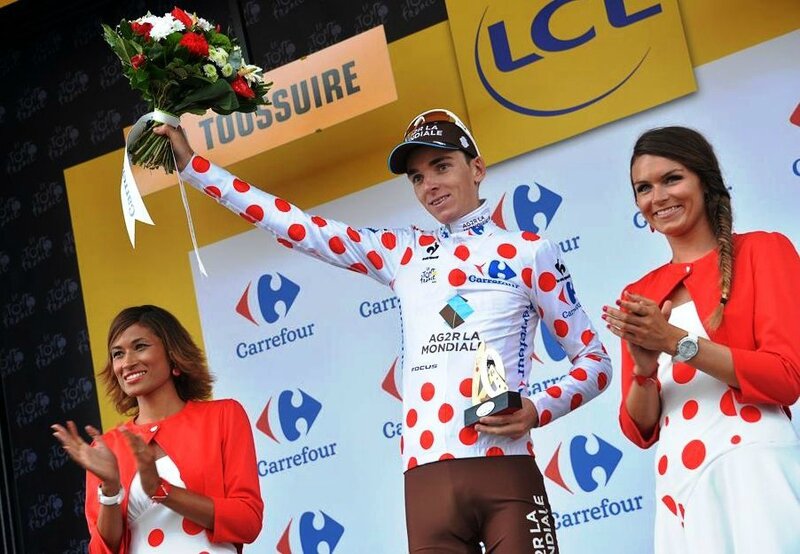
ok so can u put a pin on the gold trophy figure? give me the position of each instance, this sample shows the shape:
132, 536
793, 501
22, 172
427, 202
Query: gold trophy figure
490, 394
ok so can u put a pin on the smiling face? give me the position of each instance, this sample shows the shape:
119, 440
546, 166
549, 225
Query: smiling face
445, 181
140, 362
670, 197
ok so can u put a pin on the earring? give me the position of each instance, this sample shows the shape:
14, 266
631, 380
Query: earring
652, 229
175, 371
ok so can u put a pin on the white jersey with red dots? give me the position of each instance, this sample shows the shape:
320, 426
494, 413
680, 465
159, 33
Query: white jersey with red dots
155, 528
704, 427
466, 282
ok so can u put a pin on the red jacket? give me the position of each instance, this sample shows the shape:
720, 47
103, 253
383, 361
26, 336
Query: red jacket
761, 322
212, 445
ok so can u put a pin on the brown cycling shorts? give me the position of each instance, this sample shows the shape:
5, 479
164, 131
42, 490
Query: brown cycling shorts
453, 506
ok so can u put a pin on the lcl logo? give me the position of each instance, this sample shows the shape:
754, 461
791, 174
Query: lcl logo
545, 40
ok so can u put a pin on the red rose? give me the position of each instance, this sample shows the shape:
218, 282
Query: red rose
137, 61
195, 43
240, 87
142, 29
182, 16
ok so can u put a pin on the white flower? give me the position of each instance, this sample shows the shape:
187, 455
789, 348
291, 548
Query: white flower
210, 72
163, 26
148, 18
250, 73
204, 25
227, 70
217, 55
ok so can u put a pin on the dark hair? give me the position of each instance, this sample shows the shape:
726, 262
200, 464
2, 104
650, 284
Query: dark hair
691, 149
194, 381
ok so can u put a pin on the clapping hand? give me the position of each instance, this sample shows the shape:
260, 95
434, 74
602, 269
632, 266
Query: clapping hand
96, 458
643, 326
145, 461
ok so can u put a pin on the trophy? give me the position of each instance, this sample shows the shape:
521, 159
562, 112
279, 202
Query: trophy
490, 394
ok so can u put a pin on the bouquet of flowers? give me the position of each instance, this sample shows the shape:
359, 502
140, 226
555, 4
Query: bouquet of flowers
182, 63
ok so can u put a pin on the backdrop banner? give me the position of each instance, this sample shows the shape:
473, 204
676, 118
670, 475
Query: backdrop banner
312, 351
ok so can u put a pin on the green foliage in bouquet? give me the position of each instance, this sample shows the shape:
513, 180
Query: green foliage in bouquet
181, 63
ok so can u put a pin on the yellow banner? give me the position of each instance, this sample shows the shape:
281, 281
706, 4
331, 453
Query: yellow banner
313, 93
540, 71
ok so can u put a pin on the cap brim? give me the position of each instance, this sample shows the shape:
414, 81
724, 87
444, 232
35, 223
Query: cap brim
398, 156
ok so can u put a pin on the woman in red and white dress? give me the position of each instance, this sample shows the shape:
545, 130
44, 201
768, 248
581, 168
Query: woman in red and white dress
181, 475
711, 360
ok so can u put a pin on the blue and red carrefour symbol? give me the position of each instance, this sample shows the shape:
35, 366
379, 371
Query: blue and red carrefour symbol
309, 536
497, 269
267, 298
580, 464
389, 383
288, 416
529, 215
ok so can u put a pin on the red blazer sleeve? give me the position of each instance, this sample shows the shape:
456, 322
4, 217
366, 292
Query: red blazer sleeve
770, 374
92, 509
239, 513
629, 428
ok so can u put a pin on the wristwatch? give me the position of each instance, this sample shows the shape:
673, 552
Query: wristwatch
162, 492
110, 500
687, 348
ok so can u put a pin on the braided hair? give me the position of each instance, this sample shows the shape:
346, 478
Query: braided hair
692, 150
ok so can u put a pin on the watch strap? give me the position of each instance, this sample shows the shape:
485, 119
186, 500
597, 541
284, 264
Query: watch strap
162, 492
115, 500
643, 381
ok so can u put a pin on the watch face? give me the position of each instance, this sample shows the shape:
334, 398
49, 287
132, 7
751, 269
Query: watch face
687, 348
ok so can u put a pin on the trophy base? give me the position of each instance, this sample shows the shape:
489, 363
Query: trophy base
505, 403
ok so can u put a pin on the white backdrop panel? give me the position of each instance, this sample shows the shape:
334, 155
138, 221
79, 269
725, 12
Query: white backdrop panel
743, 107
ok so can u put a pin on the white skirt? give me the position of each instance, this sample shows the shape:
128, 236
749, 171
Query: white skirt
745, 502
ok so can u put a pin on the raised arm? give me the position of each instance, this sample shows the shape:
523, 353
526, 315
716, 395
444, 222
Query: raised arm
374, 252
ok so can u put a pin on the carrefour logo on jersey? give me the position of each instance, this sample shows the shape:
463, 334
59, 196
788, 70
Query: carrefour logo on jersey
310, 532
576, 467
517, 210
281, 420
560, 279
496, 272
269, 302
540, 71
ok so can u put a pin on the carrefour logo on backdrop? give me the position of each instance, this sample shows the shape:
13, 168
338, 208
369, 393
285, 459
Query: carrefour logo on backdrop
390, 385
267, 298
558, 33
306, 536
290, 418
273, 297
529, 215
288, 415
576, 467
